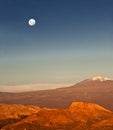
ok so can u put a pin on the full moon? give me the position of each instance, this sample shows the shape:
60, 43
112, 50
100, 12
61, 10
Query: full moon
32, 22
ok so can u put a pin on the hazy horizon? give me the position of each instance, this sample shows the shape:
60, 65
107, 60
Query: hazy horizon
46, 86
71, 41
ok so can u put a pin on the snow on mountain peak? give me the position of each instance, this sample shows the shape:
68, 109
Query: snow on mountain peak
99, 78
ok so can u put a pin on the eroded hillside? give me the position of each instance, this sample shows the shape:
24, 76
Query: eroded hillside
79, 116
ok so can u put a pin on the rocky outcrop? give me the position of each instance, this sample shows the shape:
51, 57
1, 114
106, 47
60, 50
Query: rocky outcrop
80, 116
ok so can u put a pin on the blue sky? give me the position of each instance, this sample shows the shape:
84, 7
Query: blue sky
72, 40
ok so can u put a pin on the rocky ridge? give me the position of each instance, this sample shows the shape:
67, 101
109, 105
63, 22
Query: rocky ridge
80, 116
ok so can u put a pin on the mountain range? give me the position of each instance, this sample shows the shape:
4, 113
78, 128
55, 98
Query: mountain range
86, 105
97, 90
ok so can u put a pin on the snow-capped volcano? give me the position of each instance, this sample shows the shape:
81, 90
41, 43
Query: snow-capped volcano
99, 78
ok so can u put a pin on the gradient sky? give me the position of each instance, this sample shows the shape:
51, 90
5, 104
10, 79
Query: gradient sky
72, 40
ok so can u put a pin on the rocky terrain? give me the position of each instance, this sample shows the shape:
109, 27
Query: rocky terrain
78, 116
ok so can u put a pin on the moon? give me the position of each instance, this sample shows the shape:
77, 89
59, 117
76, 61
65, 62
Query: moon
32, 22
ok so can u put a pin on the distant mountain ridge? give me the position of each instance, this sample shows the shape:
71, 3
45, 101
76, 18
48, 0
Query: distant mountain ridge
97, 90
